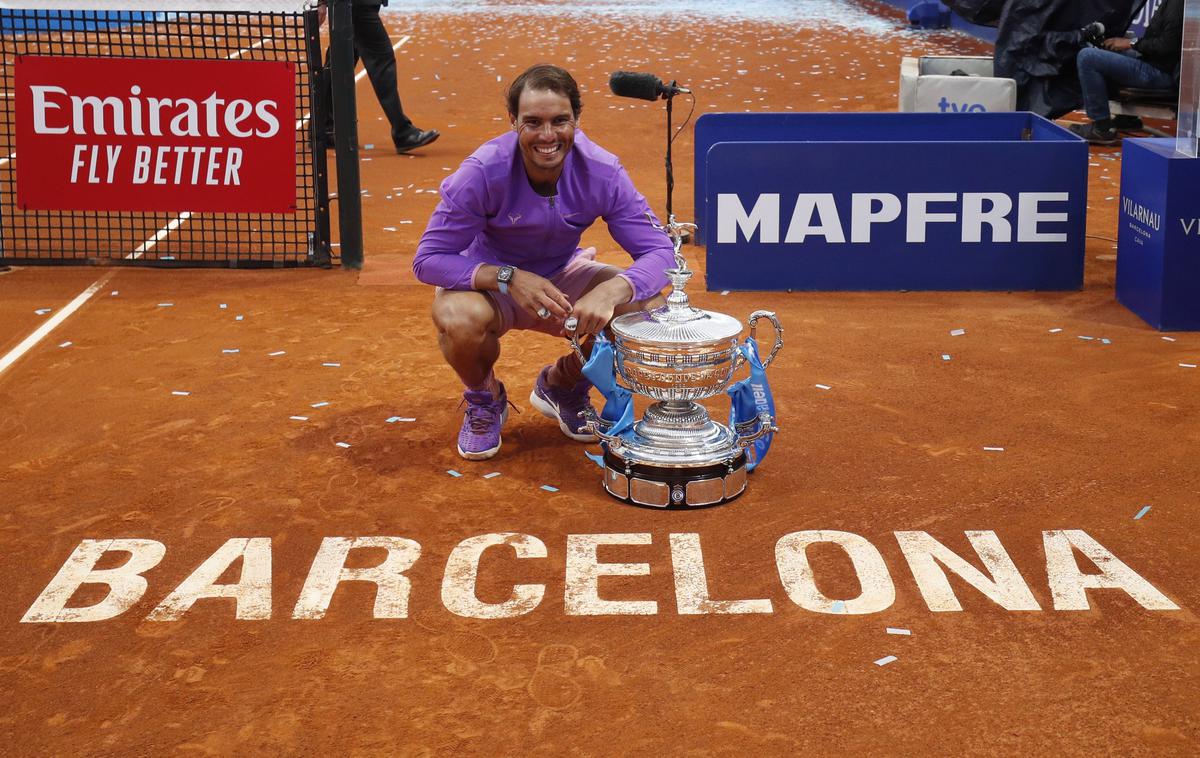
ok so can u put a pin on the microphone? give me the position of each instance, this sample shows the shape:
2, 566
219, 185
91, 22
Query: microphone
642, 86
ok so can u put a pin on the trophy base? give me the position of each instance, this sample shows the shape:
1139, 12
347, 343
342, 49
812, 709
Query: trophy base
677, 487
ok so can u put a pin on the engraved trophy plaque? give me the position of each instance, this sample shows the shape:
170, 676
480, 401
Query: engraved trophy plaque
676, 456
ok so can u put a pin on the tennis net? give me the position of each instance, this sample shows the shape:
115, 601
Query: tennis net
156, 133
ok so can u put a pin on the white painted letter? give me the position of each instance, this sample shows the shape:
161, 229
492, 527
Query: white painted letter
861, 215
974, 216
691, 583
141, 164
392, 587
919, 215
582, 597
126, 583
76, 163
731, 216
40, 106
1028, 216
78, 104
1004, 586
252, 591
1069, 586
264, 109
462, 572
878, 593
829, 224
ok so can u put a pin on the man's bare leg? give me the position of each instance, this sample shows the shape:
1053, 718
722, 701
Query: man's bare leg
566, 372
469, 336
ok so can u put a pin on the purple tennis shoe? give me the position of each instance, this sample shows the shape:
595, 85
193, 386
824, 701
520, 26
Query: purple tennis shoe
479, 437
567, 407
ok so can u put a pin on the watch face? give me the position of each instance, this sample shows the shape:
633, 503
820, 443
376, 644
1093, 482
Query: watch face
505, 274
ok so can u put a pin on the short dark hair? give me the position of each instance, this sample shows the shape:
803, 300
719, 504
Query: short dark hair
544, 76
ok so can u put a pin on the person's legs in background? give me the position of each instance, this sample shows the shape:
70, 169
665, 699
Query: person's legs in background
1105, 71
374, 46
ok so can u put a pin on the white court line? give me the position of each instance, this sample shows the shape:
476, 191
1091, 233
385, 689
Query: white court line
13, 355
40, 333
4, 161
255, 46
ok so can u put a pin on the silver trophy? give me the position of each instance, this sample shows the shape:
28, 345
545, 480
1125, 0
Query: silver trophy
676, 456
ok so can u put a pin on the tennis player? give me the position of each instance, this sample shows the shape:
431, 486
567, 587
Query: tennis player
502, 247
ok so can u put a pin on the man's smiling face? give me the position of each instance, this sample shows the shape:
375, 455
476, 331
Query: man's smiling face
545, 128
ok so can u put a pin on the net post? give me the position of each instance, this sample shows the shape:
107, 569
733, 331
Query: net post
341, 46
316, 137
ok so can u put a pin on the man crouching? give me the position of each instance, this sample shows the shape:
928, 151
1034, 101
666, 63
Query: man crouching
502, 247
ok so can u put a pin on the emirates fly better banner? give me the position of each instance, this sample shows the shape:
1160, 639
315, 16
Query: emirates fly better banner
122, 134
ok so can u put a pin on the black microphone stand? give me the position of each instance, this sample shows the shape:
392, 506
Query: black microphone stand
670, 97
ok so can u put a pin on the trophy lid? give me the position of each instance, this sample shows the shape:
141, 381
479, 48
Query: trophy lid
677, 322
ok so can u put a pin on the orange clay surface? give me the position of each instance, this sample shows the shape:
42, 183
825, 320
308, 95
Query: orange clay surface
94, 445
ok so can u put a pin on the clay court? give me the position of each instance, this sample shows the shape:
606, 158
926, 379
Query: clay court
1048, 412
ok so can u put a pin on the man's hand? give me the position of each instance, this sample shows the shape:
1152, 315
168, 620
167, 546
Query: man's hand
534, 293
595, 309
1117, 44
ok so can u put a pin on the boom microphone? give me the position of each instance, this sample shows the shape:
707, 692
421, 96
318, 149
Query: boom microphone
641, 86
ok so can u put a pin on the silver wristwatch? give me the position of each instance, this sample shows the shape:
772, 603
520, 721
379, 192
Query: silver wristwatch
503, 277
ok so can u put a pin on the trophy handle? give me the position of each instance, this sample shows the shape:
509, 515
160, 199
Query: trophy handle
595, 426
570, 325
753, 320
766, 425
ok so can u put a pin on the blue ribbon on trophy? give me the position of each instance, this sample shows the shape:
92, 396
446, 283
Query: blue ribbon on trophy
749, 398
616, 417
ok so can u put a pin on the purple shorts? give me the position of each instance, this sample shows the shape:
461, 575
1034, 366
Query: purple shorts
572, 281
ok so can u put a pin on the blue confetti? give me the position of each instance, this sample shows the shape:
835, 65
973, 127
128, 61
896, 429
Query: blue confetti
1145, 509
453, 473
599, 459
548, 488
838, 606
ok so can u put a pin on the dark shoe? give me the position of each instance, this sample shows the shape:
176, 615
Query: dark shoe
570, 408
479, 437
1127, 123
1092, 34
1095, 135
416, 138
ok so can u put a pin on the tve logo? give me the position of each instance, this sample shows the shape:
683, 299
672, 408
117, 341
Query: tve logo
945, 106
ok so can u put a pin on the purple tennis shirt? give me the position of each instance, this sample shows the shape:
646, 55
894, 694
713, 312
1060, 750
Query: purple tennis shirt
489, 214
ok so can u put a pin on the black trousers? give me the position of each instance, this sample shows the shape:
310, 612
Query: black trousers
373, 45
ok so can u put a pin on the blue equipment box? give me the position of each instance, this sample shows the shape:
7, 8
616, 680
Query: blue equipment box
1158, 235
890, 201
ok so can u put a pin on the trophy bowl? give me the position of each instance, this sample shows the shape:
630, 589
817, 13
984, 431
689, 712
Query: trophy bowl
683, 361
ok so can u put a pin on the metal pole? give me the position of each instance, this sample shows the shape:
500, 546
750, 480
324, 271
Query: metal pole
345, 119
316, 137
670, 172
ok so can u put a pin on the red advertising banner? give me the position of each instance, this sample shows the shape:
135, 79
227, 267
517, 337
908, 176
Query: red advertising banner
124, 134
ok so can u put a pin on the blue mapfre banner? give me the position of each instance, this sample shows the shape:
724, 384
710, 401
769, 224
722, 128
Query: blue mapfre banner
973, 202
